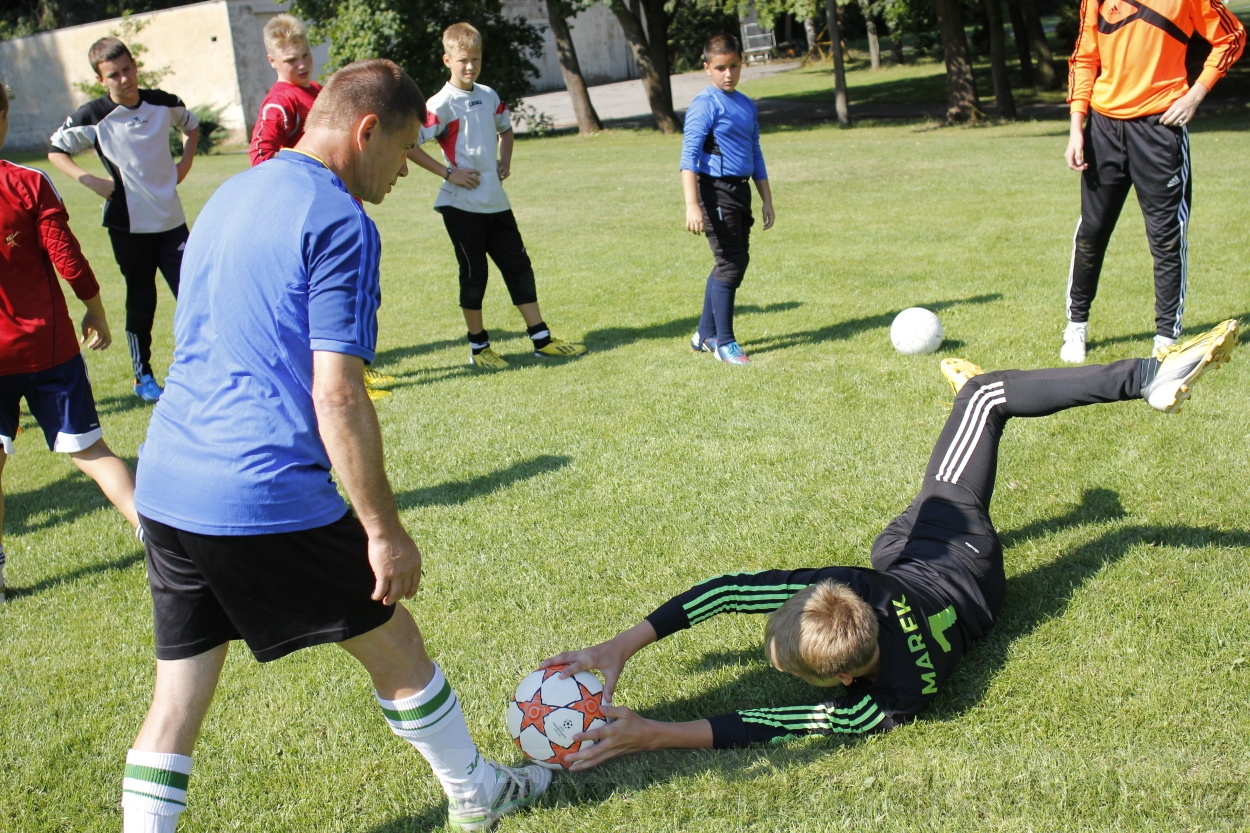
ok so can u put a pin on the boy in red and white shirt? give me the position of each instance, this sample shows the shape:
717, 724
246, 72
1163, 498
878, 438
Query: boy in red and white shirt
474, 129
39, 356
284, 111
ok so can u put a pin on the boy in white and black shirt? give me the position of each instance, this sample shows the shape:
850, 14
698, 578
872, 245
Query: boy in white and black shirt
129, 130
472, 125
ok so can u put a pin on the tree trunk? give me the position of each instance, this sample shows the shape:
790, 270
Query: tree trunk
1046, 77
587, 119
655, 84
809, 30
789, 28
874, 43
964, 104
839, 69
998, 59
1020, 31
896, 45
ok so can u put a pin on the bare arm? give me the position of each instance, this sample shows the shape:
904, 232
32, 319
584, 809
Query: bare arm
694, 212
766, 202
66, 165
628, 732
349, 429
504, 166
464, 177
95, 326
1075, 154
189, 143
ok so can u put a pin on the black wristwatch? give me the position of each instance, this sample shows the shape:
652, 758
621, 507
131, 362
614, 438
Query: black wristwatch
447, 175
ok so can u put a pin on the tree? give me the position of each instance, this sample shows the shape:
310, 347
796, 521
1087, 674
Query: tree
998, 59
1047, 79
646, 28
1020, 33
963, 104
558, 14
839, 68
409, 32
869, 10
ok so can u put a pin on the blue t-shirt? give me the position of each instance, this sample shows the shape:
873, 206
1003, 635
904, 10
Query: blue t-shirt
722, 136
282, 262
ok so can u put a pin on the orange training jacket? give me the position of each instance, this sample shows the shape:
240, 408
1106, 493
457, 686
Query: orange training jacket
1129, 59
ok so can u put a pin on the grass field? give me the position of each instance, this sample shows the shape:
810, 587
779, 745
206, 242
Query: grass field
557, 503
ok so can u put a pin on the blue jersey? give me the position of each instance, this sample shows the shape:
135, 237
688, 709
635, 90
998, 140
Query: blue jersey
722, 136
282, 261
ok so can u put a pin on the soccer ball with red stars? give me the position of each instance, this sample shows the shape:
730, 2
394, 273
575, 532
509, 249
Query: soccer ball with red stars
546, 711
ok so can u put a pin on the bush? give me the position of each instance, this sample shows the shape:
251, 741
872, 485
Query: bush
690, 29
211, 131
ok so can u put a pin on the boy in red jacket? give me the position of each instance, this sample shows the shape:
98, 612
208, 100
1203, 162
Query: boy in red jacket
39, 356
280, 123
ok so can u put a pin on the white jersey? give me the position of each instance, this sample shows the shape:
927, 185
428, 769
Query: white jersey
133, 144
467, 124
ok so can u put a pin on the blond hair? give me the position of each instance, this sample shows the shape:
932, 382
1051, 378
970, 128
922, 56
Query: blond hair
378, 87
284, 30
822, 631
461, 36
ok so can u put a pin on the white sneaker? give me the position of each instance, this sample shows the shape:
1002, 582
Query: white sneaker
1073, 350
516, 788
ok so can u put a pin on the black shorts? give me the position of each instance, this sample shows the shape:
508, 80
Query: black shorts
278, 592
475, 236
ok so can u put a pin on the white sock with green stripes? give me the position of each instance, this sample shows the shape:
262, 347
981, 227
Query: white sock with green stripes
154, 791
431, 720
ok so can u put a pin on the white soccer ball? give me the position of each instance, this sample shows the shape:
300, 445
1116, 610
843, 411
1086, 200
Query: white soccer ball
546, 711
916, 331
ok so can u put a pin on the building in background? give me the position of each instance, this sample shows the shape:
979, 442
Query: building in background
215, 54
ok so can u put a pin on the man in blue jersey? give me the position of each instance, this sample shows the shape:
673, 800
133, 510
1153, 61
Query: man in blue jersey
720, 153
247, 536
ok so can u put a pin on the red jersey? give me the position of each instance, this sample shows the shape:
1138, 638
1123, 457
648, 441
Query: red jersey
282, 117
36, 332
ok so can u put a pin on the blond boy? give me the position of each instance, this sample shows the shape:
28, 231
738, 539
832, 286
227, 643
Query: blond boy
473, 127
284, 112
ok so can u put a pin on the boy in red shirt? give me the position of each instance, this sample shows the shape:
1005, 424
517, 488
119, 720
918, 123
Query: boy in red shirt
39, 356
285, 110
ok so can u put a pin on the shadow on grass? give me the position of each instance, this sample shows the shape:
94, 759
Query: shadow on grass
433, 817
120, 404
117, 564
855, 326
1243, 336
611, 338
462, 491
62, 501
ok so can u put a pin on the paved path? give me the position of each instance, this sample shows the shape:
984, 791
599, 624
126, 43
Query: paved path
624, 104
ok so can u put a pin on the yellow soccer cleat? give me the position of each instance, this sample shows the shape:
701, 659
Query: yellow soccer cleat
488, 359
958, 372
374, 379
1181, 365
559, 348
376, 394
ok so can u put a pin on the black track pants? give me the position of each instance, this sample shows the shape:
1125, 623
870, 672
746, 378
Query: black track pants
138, 257
954, 501
1153, 159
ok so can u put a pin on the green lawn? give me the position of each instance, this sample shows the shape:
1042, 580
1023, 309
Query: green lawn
556, 503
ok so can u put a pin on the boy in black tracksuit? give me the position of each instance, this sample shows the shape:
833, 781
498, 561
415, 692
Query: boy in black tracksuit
890, 635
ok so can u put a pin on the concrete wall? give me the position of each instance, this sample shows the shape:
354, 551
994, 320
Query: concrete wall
216, 53
602, 49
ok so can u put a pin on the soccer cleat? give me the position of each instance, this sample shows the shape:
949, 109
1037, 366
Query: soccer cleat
958, 372
488, 359
147, 389
374, 379
516, 788
731, 353
1073, 350
1180, 366
559, 348
1163, 346
703, 345
376, 394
